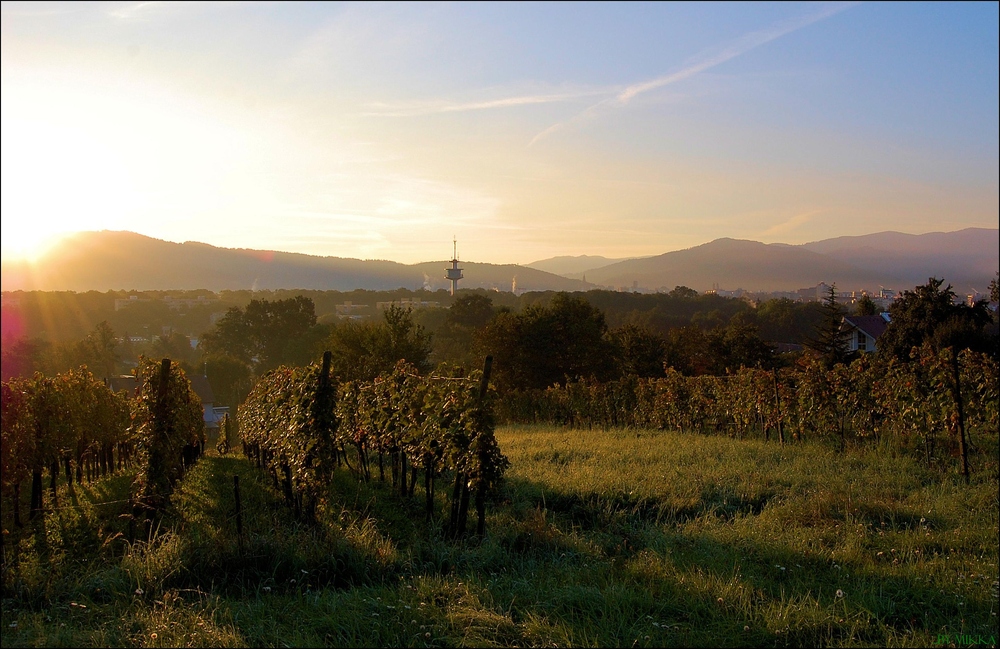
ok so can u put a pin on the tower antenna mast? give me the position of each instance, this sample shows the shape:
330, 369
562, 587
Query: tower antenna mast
454, 273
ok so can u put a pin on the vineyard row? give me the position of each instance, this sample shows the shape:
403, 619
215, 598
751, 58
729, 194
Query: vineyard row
301, 427
927, 405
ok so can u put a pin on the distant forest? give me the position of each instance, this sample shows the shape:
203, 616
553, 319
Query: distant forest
66, 316
55, 331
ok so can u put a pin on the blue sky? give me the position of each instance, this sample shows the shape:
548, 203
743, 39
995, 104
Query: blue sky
526, 130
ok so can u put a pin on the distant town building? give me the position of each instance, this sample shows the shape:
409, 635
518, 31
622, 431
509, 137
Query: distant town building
173, 303
815, 293
350, 311
738, 293
121, 303
183, 304
407, 303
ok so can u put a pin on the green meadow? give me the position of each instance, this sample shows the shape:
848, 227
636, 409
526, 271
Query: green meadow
598, 538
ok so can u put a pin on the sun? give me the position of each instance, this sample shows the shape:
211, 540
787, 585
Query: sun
61, 171
29, 248
57, 180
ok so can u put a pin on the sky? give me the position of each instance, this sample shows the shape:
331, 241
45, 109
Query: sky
526, 131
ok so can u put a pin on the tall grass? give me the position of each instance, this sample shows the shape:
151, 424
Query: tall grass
599, 538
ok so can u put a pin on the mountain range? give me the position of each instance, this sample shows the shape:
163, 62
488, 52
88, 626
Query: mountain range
574, 267
107, 260
967, 259
110, 260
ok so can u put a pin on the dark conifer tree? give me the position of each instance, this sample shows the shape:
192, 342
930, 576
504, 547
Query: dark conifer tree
828, 339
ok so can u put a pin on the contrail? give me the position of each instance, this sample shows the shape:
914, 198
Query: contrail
130, 11
416, 109
736, 48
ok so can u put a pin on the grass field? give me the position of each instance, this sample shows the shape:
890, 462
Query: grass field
599, 538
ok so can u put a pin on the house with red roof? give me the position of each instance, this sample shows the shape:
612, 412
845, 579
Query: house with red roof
861, 332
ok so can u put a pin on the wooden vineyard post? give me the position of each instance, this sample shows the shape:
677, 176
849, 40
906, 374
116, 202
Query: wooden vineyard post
239, 511
131, 520
157, 461
481, 491
961, 415
17, 505
777, 405
456, 502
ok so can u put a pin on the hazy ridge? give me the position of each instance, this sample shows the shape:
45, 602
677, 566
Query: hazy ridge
124, 260
966, 258
573, 266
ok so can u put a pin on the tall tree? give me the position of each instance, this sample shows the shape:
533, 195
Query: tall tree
23, 357
453, 341
688, 351
930, 314
783, 320
100, 347
472, 311
265, 334
639, 351
230, 378
547, 344
866, 306
683, 293
739, 345
827, 339
364, 350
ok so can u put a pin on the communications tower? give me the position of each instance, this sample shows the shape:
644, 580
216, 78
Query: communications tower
454, 273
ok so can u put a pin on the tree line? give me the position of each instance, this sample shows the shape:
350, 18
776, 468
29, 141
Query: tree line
537, 339
53, 332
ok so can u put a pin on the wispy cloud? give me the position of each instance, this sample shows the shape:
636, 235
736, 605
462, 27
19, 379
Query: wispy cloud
142, 11
789, 225
134, 10
30, 10
413, 109
732, 50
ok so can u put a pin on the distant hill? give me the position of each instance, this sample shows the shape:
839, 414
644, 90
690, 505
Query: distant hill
573, 267
731, 263
124, 261
966, 259
498, 276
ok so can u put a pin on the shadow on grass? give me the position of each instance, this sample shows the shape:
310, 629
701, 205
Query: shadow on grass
854, 602
58, 551
555, 569
276, 552
599, 569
